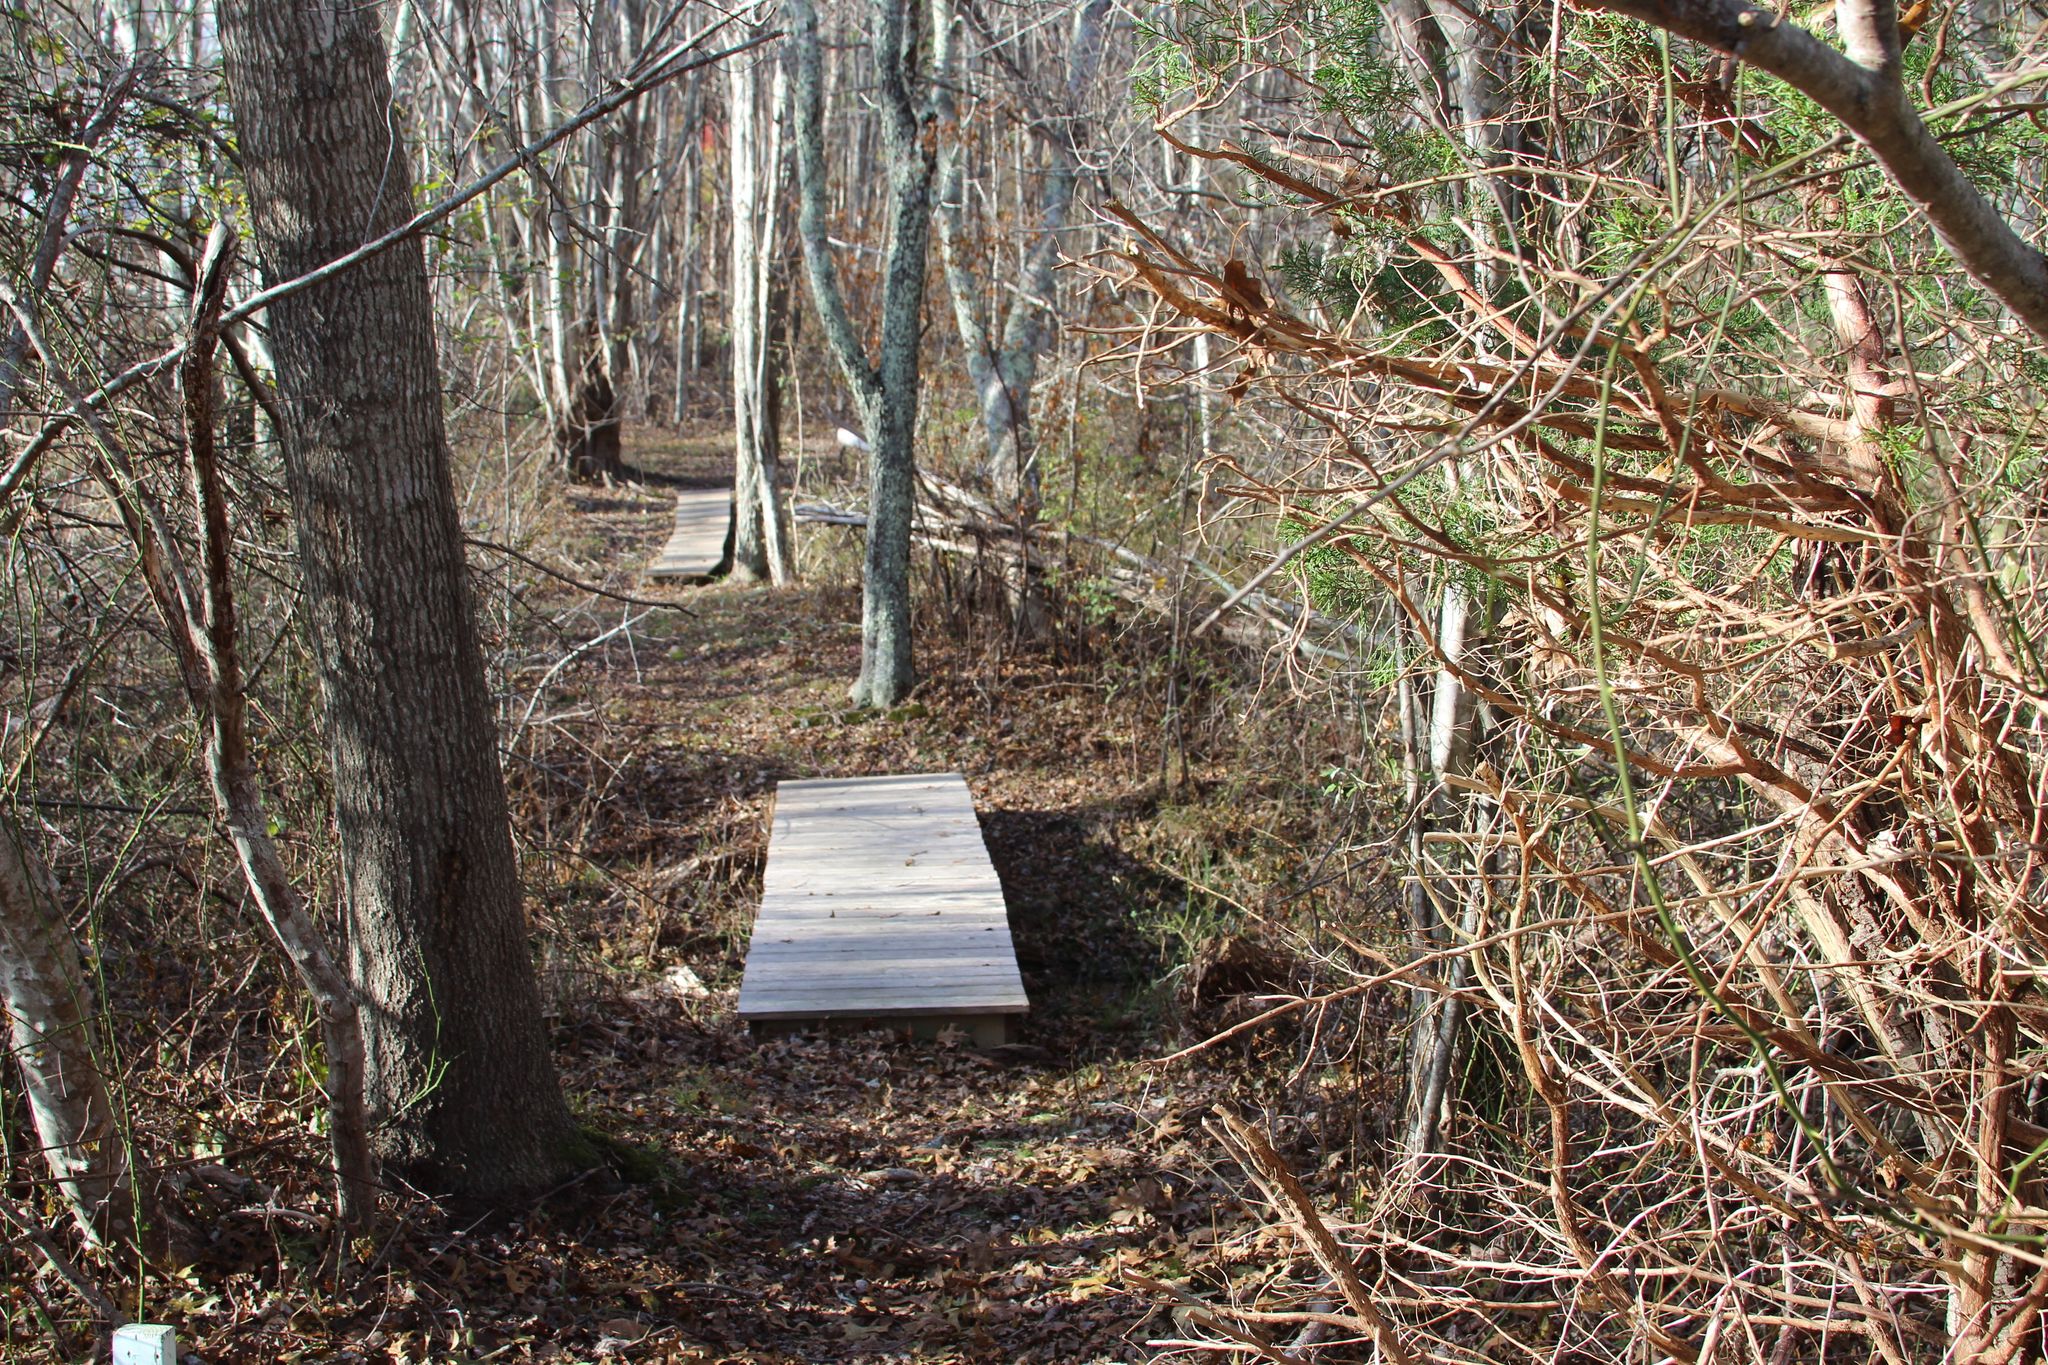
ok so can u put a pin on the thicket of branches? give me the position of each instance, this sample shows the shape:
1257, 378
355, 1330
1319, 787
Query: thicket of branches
1668, 477
1701, 488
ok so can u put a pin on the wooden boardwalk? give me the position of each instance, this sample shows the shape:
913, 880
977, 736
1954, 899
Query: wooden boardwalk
697, 546
879, 904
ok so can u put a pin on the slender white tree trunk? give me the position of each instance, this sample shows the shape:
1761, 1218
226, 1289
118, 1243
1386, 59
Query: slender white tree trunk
755, 100
52, 1031
1481, 41
1432, 1049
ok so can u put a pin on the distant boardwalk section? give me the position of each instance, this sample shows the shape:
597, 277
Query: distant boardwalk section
879, 905
697, 546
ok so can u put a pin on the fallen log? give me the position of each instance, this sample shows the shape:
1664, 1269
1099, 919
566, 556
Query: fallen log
955, 520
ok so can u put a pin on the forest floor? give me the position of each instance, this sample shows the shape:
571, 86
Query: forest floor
855, 1198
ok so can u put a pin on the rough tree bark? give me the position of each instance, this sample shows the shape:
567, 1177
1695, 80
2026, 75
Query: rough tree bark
582, 394
459, 1073
686, 267
908, 61
587, 433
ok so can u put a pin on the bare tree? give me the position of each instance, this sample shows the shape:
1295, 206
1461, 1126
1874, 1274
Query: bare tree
1744, 866
48, 998
908, 45
1476, 51
757, 302
198, 609
1003, 336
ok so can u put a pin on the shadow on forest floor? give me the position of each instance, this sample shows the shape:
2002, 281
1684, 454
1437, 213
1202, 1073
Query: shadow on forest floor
864, 1197
847, 1198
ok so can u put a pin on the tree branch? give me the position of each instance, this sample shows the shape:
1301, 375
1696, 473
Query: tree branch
808, 79
1863, 90
655, 72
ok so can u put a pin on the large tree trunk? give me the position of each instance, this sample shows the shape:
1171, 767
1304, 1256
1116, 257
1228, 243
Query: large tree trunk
459, 1072
909, 52
49, 1004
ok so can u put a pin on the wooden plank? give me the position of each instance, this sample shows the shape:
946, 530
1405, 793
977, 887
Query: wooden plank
879, 902
697, 546
794, 998
921, 991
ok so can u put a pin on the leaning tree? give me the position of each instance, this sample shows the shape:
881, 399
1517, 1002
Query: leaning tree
459, 1072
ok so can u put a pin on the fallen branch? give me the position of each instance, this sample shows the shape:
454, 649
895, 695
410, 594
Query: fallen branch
530, 562
1249, 1146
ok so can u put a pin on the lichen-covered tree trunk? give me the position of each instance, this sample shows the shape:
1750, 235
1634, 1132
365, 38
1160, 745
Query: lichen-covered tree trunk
909, 50
1003, 341
459, 1073
51, 1025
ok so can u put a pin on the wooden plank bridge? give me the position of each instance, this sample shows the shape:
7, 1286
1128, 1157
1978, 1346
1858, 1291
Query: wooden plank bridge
697, 546
879, 906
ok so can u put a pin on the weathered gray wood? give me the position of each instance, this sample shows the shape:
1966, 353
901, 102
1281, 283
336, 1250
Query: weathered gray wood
697, 546
879, 904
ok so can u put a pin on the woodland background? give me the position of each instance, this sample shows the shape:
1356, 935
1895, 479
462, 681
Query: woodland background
1480, 558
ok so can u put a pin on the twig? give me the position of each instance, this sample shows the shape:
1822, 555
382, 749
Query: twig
571, 657
577, 583
27, 1230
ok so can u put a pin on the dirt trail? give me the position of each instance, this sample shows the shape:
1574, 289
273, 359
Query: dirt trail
844, 1199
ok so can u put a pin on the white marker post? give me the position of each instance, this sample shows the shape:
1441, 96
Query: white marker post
142, 1344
